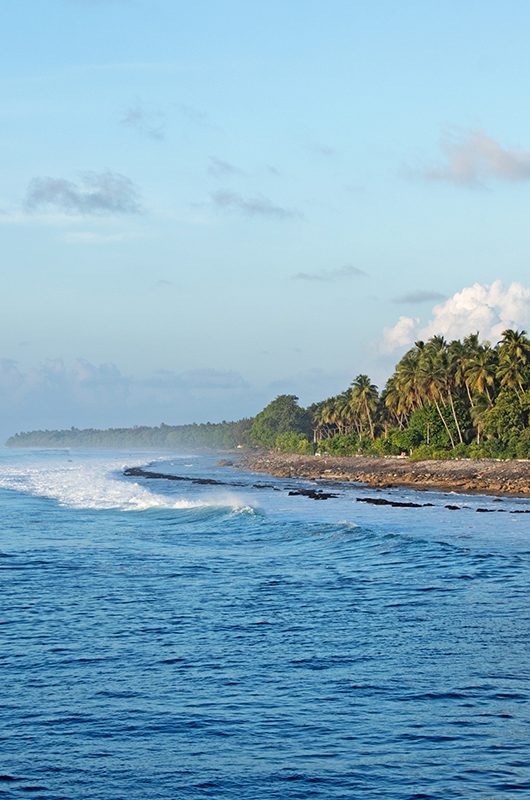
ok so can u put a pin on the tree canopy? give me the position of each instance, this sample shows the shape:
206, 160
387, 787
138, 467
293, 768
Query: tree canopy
280, 416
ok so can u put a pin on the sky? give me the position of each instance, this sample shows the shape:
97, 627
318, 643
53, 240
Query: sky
204, 205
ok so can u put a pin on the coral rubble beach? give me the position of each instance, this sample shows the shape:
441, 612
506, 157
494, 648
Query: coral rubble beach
462, 475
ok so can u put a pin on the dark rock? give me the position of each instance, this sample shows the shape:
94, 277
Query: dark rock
138, 472
314, 494
380, 501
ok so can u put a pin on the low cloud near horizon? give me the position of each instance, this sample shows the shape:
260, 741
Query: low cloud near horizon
472, 158
56, 394
484, 308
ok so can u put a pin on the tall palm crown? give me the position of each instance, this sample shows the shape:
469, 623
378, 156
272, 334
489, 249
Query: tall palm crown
515, 346
364, 399
482, 370
514, 360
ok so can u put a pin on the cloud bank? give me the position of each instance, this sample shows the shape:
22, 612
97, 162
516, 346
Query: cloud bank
96, 193
484, 308
474, 158
56, 394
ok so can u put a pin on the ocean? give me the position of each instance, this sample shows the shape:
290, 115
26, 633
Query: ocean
222, 637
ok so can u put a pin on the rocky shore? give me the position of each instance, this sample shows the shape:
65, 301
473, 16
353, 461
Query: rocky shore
465, 476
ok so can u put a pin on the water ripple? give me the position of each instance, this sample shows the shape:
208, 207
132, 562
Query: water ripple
304, 651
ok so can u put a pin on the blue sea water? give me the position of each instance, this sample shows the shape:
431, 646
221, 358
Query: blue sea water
166, 639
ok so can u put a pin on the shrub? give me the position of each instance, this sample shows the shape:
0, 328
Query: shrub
292, 442
384, 447
340, 445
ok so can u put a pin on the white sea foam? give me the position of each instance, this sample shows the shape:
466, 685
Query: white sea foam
96, 485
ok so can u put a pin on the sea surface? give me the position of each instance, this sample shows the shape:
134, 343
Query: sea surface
186, 640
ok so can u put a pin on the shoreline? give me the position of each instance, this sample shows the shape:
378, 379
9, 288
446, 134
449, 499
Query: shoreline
463, 476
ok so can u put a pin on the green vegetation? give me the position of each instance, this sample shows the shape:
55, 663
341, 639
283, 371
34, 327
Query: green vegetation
281, 418
444, 400
222, 435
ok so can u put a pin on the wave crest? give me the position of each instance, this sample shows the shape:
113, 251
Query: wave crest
97, 486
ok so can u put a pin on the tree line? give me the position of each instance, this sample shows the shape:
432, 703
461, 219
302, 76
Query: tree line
215, 436
444, 399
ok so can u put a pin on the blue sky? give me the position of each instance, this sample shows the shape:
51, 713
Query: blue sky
205, 204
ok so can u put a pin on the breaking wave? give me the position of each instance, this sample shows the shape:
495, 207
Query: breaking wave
98, 486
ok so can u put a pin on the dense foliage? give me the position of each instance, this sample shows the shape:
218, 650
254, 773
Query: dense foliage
459, 398
283, 416
444, 399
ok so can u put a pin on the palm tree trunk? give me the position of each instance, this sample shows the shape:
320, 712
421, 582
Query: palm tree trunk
446, 426
455, 417
369, 419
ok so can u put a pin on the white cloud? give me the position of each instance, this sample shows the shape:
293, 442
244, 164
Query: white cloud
400, 334
474, 157
486, 308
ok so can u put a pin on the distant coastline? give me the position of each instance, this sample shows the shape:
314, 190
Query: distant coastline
466, 476
196, 436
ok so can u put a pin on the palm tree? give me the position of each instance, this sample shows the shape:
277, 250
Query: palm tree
515, 345
514, 360
323, 420
435, 375
408, 380
482, 371
395, 401
478, 414
343, 412
465, 352
364, 400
